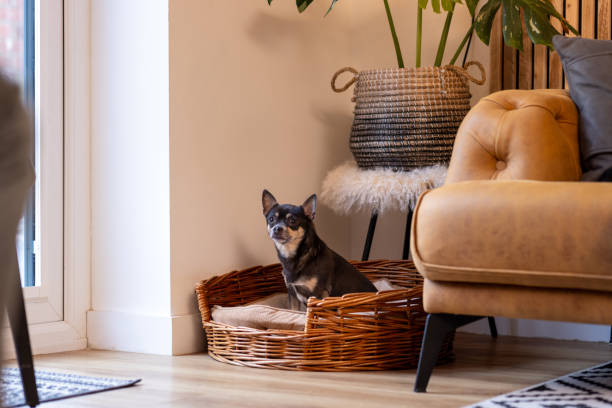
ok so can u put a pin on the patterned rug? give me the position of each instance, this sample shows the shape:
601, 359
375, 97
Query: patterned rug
54, 386
590, 388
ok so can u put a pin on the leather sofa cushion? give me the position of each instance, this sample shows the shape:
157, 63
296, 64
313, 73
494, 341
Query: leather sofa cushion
518, 134
526, 233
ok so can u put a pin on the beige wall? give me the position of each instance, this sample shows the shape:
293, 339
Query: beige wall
250, 108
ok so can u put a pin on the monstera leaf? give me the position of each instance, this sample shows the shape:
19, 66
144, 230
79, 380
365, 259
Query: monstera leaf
536, 15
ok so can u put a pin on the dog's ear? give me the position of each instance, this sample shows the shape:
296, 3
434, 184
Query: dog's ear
268, 201
310, 206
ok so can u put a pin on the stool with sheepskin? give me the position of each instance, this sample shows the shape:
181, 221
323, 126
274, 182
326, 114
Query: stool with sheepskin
348, 189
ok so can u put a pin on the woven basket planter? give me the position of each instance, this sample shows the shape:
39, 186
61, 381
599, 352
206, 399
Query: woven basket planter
368, 331
407, 118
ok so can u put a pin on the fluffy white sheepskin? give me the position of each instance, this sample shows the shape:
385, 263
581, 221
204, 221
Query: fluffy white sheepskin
348, 188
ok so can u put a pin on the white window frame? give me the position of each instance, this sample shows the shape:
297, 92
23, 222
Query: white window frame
59, 323
44, 302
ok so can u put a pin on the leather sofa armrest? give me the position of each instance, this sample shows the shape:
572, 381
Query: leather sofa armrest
518, 134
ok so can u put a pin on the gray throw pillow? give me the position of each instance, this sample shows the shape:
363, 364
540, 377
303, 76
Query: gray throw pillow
588, 68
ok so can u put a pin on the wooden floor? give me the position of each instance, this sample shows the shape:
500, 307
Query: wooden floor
483, 368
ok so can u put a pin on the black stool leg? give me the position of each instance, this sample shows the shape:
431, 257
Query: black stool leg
21, 337
368, 242
437, 327
406, 253
492, 327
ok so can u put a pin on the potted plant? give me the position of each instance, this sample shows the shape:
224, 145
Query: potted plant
408, 117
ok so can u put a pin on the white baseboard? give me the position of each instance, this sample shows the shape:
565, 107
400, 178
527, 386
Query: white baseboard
46, 338
140, 333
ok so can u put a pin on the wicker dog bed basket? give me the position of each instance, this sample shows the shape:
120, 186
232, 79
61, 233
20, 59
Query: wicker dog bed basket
367, 331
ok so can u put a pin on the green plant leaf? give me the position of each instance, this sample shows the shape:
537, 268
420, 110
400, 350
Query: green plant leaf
435, 5
539, 28
331, 6
447, 5
543, 7
536, 14
302, 4
511, 24
484, 20
471, 5
422, 3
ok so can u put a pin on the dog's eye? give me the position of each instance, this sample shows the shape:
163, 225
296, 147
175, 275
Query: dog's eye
291, 221
271, 219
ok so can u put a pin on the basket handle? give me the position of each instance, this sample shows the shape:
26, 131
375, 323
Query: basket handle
348, 84
463, 72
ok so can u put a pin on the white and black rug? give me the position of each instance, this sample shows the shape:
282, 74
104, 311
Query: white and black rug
54, 386
590, 388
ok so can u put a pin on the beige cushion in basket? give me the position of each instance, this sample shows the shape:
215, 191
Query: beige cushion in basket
267, 313
271, 312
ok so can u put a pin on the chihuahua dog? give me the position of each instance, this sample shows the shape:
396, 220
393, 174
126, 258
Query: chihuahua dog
310, 268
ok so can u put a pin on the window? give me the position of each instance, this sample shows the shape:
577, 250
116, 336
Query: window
31, 54
17, 63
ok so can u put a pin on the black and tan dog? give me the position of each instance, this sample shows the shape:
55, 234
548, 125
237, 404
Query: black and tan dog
310, 268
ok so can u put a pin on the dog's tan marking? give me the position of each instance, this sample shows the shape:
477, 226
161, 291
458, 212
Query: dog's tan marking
310, 283
289, 248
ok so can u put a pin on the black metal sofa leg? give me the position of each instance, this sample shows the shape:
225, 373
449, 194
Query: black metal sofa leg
21, 337
437, 327
492, 327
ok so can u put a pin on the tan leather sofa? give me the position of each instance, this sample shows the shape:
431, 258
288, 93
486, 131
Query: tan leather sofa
512, 232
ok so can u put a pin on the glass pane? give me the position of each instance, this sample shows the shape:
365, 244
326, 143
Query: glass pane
16, 63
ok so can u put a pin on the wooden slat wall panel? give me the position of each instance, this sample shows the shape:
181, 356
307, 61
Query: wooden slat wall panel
495, 46
509, 73
603, 20
537, 66
588, 19
540, 66
525, 63
572, 14
555, 71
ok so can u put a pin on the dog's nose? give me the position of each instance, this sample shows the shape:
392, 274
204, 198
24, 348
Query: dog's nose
277, 229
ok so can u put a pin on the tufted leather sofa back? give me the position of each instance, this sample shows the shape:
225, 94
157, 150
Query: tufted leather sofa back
518, 134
